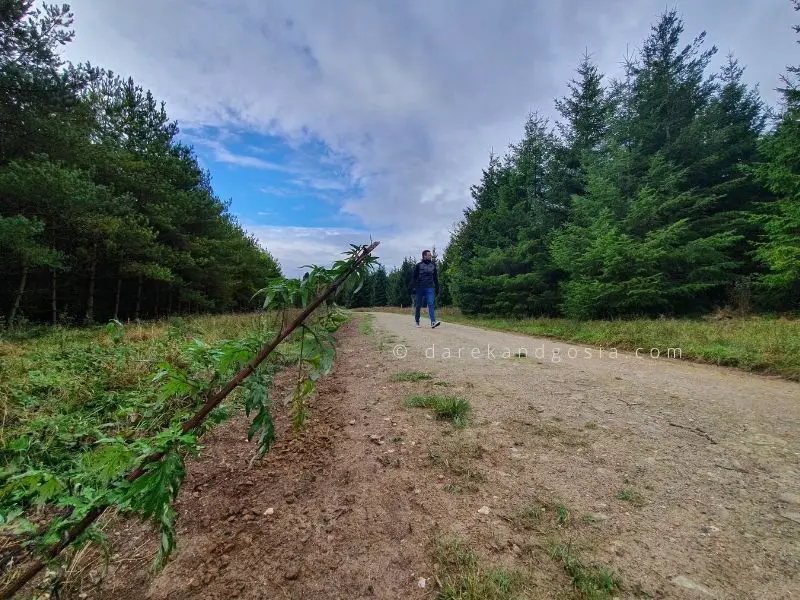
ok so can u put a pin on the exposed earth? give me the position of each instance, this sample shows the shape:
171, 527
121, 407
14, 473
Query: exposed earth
683, 479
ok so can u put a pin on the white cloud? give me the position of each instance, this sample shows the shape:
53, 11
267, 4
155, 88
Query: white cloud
410, 96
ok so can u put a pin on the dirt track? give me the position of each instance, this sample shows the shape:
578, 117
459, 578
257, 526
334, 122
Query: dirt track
707, 459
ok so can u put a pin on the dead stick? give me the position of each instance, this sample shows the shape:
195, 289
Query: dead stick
210, 404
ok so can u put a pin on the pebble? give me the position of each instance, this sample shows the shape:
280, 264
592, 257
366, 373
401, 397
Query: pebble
421, 583
292, 573
269, 511
789, 498
484, 510
688, 584
352, 421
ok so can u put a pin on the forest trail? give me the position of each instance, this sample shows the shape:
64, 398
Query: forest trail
682, 478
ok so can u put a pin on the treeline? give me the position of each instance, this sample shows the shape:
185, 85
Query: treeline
103, 214
665, 192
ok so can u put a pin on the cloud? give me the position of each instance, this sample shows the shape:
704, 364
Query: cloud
401, 100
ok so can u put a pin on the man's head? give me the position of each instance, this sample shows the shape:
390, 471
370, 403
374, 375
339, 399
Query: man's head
426, 255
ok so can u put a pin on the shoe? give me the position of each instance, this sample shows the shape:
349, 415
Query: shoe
417, 324
434, 325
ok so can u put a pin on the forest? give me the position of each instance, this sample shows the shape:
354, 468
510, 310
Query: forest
103, 212
672, 191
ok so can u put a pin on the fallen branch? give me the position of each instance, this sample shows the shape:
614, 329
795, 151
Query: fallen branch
197, 419
696, 430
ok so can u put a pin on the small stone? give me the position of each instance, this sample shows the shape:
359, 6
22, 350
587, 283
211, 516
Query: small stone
709, 529
421, 583
351, 422
269, 511
688, 584
248, 518
292, 573
231, 519
290, 500
484, 510
790, 498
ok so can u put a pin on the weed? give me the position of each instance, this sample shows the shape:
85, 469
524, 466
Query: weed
593, 582
397, 439
562, 513
529, 517
630, 495
451, 408
590, 425
410, 376
441, 383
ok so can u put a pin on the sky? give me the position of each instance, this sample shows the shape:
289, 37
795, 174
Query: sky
327, 123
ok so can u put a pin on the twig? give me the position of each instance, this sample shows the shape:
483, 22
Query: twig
15, 585
695, 430
737, 469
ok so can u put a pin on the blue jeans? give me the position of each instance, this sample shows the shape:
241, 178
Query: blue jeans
425, 292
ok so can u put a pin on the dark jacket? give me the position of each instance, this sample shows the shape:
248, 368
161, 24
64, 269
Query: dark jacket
425, 275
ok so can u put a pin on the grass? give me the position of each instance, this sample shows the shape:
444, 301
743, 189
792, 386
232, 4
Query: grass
461, 575
593, 582
80, 405
450, 408
410, 376
759, 344
630, 495
365, 324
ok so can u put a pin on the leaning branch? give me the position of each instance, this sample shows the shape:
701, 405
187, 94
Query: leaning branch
210, 404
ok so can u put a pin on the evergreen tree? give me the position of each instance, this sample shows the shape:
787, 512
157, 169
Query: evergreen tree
380, 287
779, 171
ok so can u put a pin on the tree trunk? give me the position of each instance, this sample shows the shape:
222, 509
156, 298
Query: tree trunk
116, 301
53, 304
90, 300
169, 305
23, 280
138, 300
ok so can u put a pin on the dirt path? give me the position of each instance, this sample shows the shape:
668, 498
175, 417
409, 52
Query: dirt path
682, 478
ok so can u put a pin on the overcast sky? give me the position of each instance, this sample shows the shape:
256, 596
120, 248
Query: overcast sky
331, 121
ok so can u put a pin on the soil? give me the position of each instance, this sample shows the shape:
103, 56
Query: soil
682, 478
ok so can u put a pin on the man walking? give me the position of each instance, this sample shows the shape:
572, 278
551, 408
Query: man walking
424, 283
